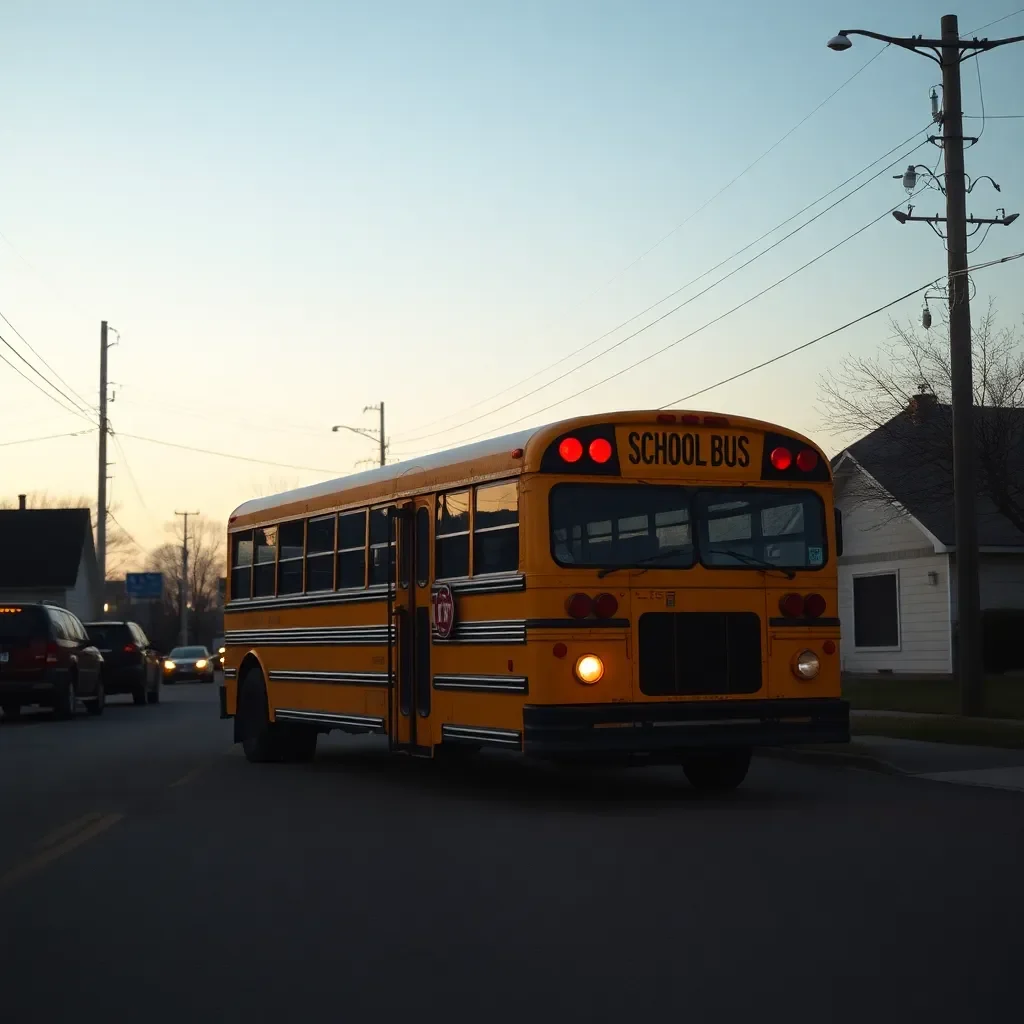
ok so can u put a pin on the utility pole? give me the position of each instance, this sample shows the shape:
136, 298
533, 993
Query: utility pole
183, 589
374, 435
101, 495
949, 52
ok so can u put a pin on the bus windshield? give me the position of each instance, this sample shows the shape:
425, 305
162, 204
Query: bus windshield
651, 526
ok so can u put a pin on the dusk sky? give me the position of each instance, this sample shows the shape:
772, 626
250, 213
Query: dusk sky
292, 211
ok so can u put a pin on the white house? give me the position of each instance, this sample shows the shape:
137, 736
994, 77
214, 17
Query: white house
897, 585
48, 555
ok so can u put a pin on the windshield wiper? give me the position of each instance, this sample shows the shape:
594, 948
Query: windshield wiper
656, 557
757, 563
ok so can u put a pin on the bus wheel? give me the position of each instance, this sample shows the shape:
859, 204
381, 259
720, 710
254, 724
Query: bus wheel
262, 740
298, 743
717, 770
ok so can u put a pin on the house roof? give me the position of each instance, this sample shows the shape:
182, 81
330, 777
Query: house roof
912, 458
43, 547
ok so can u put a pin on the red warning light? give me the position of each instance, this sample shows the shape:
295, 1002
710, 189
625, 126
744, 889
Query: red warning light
600, 450
807, 460
782, 458
571, 450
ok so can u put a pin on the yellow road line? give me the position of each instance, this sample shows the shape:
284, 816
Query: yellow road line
54, 852
65, 830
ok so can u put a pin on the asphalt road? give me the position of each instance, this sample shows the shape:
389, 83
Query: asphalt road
148, 873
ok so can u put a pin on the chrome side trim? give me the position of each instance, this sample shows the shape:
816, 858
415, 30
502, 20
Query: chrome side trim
308, 636
497, 631
333, 678
230, 673
499, 583
483, 684
318, 598
366, 722
478, 734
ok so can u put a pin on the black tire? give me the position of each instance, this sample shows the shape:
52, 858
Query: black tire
11, 711
717, 771
139, 694
298, 741
66, 700
96, 705
261, 739
153, 697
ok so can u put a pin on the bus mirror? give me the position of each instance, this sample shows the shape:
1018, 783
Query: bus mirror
839, 533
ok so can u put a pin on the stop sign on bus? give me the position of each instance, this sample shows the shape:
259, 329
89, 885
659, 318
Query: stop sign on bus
443, 601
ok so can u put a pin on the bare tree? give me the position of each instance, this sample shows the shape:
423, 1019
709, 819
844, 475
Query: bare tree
908, 385
122, 548
205, 565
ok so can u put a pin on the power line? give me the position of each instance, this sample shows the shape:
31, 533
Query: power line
1005, 17
74, 410
829, 334
85, 405
695, 331
590, 344
132, 479
995, 117
42, 376
227, 455
46, 437
749, 167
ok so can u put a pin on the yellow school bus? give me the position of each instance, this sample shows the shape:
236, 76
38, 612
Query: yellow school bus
644, 587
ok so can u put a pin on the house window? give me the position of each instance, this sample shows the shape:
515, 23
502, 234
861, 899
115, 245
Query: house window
241, 565
876, 611
496, 528
289, 562
451, 554
320, 554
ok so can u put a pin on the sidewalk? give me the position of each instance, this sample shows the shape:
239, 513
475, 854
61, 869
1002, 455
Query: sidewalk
991, 767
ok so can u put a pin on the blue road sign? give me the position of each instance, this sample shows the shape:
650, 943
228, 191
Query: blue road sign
144, 584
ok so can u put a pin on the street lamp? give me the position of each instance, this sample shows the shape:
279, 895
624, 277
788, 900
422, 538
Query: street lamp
949, 52
375, 436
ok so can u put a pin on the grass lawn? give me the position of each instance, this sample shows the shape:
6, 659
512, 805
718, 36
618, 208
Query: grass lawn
948, 729
1004, 695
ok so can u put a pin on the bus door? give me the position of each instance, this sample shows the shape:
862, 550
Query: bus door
411, 653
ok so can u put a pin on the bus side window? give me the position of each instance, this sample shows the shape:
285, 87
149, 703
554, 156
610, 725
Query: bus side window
241, 565
422, 546
451, 556
496, 528
839, 533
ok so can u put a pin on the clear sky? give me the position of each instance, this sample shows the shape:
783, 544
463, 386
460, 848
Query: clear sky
290, 211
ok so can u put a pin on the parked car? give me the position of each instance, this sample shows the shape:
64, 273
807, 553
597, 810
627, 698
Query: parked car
188, 663
131, 664
47, 658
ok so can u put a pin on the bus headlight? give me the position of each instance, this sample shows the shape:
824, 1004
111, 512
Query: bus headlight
589, 669
806, 665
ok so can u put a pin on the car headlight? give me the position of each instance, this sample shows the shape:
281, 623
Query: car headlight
806, 665
169, 665
589, 669
201, 663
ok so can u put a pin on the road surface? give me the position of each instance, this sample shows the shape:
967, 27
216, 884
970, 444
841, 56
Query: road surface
148, 873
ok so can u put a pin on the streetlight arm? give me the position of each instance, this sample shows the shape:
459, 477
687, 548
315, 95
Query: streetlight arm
355, 430
918, 43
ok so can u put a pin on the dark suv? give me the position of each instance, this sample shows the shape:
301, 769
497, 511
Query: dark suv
47, 658
130, 662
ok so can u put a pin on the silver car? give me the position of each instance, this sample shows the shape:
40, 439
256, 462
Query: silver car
188, 663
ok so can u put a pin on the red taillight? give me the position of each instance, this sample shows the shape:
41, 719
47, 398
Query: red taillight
600, 450
51, 653
605, 606
690, 418
579, 606
792, 606
807, 460
829, 647
571, 450
130, 648
665, 417
782, 458
716, 421
38, 649
814, 606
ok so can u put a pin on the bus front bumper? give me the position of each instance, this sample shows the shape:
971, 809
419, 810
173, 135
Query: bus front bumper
663, 729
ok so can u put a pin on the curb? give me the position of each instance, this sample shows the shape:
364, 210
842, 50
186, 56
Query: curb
835, 758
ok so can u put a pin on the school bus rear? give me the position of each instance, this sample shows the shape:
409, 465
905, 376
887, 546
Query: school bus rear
682, 582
